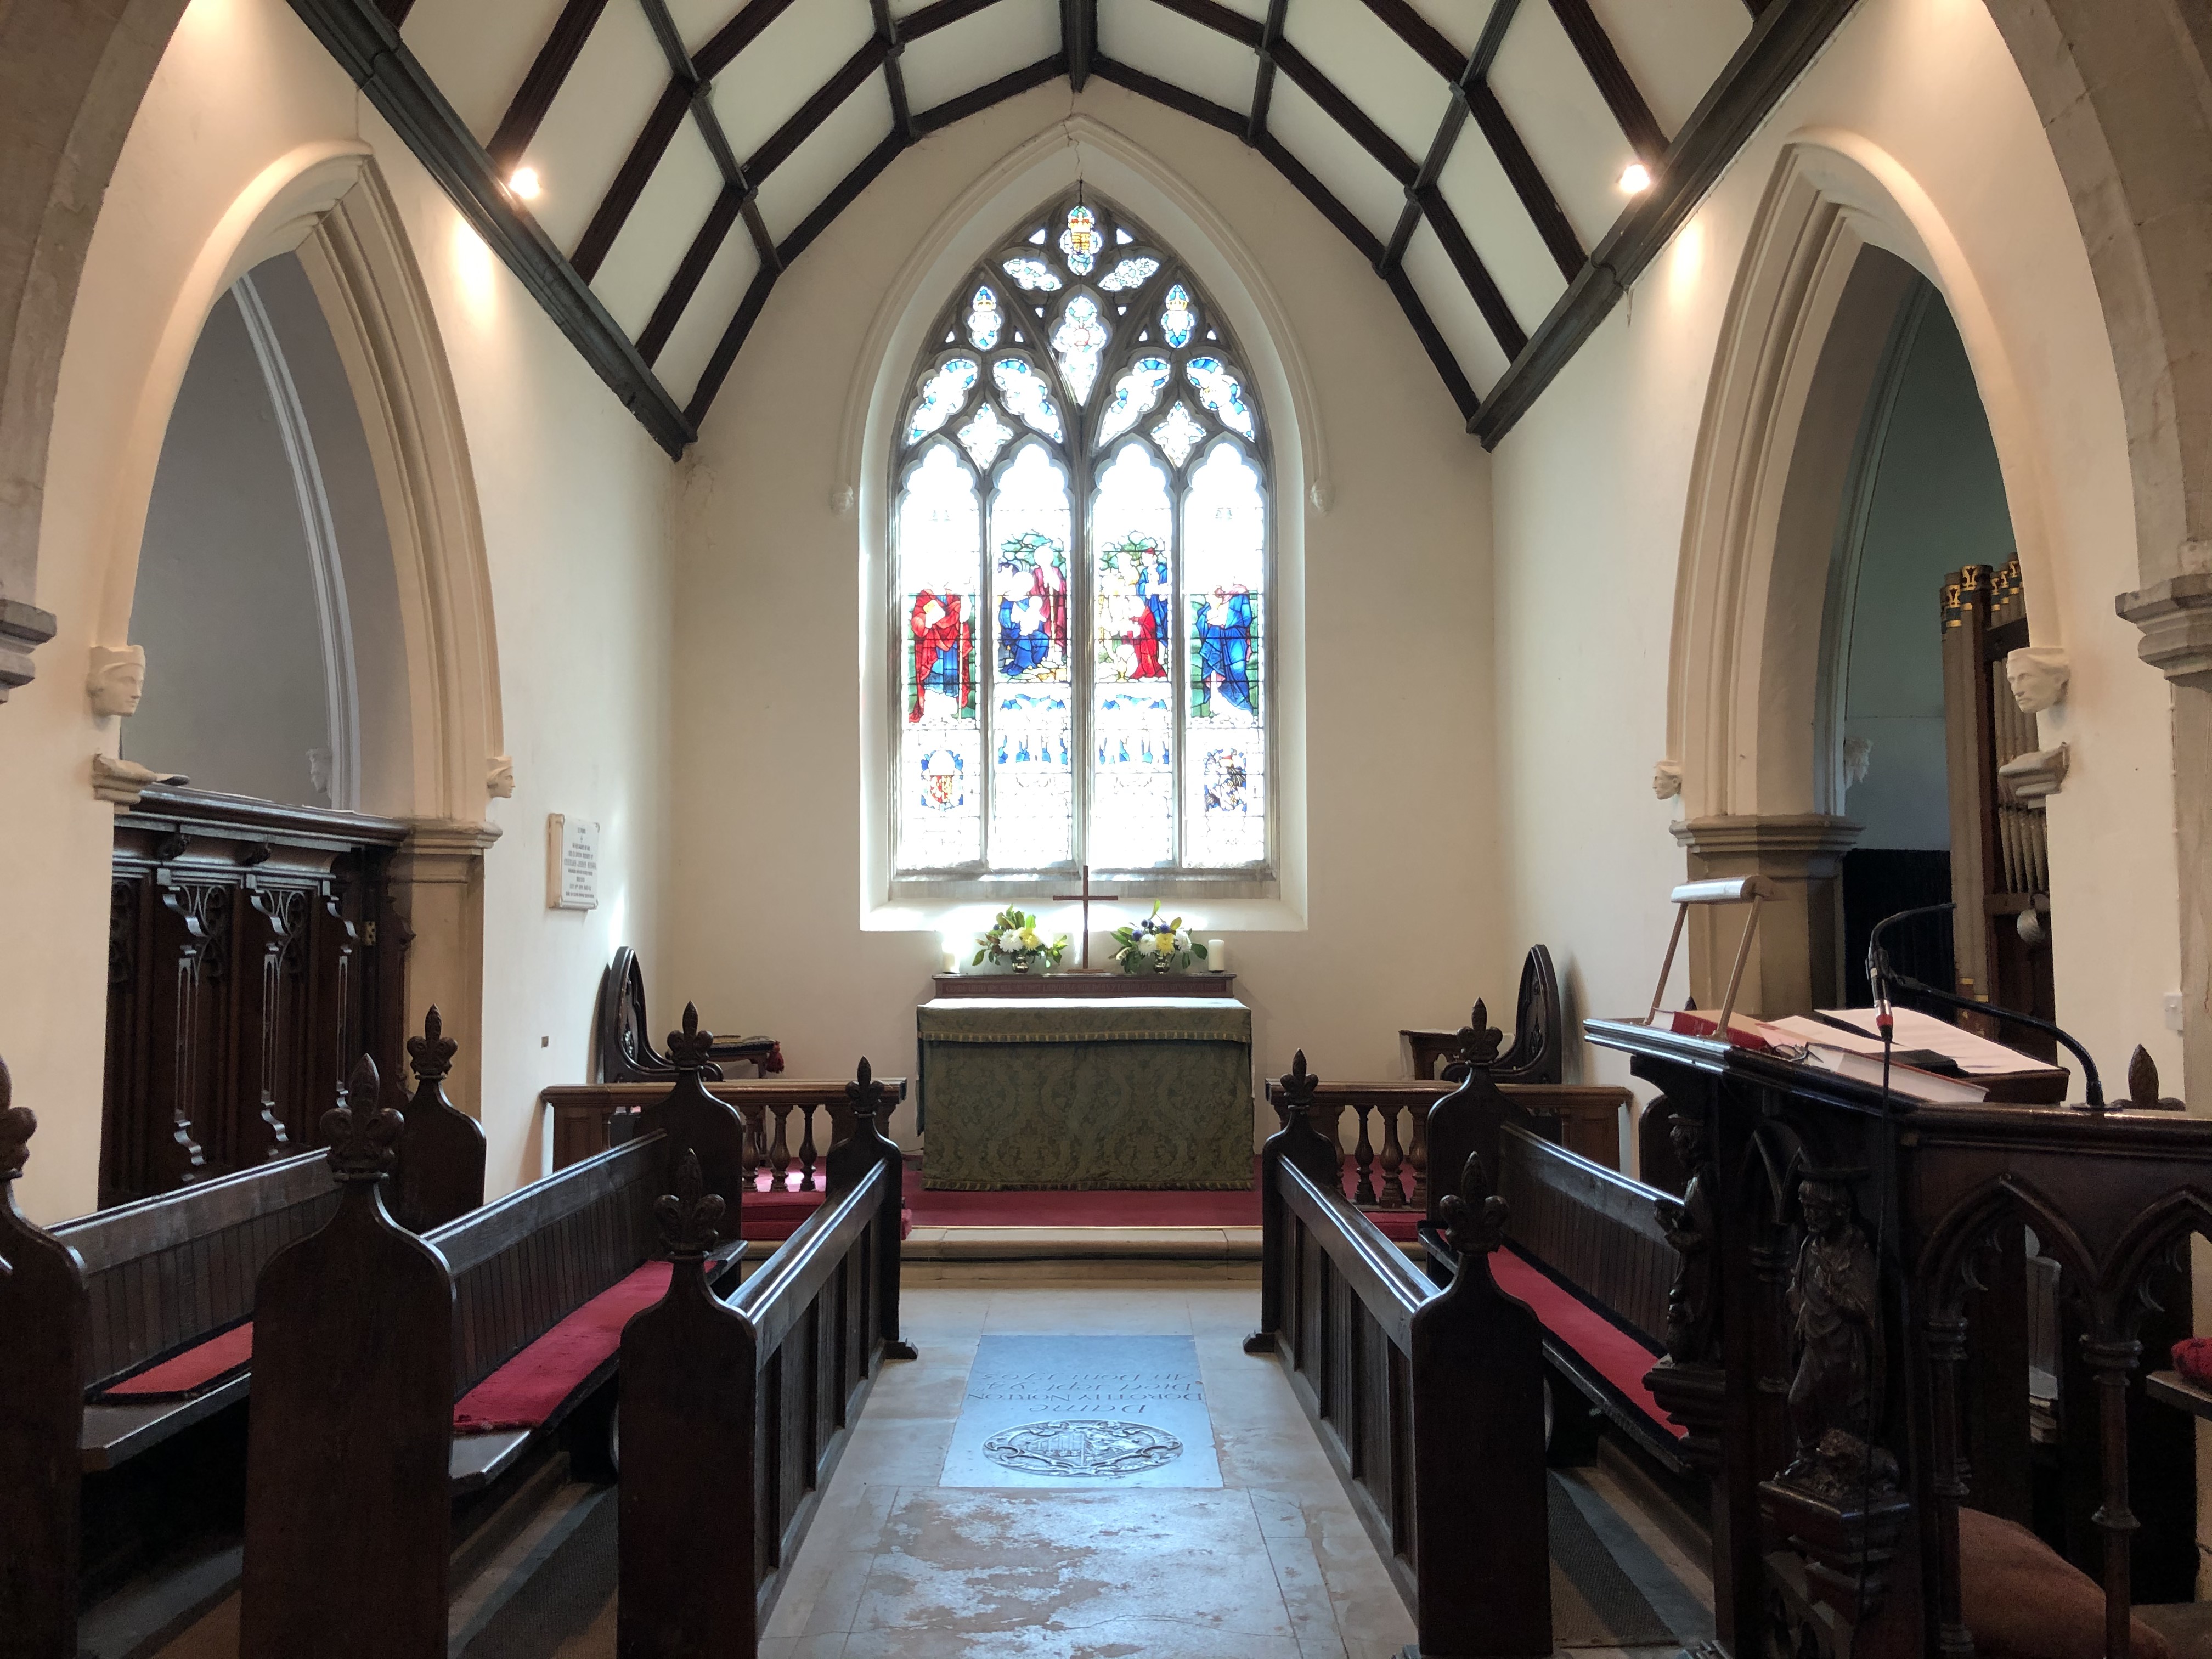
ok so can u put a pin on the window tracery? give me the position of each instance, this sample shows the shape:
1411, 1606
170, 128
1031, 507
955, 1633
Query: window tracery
1081, 553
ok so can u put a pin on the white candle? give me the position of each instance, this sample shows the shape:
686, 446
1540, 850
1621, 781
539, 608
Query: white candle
951, 960
1217, 955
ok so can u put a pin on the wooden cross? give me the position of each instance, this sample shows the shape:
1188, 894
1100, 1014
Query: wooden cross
1085, 897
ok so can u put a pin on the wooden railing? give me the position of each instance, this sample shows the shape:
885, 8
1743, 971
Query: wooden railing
1391, 1158
734, 1414
1427, 1401
588, 1117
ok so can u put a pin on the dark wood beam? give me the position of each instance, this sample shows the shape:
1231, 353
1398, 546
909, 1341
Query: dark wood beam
1433, 168
1166, 92
395, 11
1614, 84
1522, 172
1426, 39
1078, 39
727, 349
1245, 31
1787, 36
689, 272
813, 112
1331, 208
1012, 85
1433, 342
535, 96
1489, 299
1263, 79
711, 133
848, 190
939, 13
630, 178
734, 36
894, 76
1492, 41
1338, 106
366, 46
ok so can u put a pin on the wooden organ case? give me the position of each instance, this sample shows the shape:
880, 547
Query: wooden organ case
2000, 866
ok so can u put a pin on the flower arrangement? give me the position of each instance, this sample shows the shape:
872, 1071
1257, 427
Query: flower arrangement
1013, 939
1160, 945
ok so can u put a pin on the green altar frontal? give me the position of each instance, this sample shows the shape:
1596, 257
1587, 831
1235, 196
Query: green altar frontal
1135, 1091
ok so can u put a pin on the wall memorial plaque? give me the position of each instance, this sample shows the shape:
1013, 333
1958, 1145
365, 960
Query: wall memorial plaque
572, 863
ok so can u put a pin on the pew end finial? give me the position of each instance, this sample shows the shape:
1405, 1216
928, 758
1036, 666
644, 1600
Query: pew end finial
1474, 1217
1480, 1040
689, 1048
690, 1218
362, 1131
431, 1055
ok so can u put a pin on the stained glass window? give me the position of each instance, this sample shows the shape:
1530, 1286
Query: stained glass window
1080, 589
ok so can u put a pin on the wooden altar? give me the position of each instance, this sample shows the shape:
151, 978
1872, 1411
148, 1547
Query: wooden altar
1847, 1339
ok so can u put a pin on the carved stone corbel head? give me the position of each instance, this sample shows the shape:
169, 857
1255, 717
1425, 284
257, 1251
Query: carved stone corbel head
118, 679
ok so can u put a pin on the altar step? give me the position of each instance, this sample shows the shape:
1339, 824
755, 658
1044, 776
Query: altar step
991, 1255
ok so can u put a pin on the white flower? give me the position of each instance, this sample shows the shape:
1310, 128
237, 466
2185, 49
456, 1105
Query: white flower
1011, 941
1182, 938
1149, 944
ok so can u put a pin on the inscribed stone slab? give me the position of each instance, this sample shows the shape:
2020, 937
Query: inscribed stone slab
1063, 1413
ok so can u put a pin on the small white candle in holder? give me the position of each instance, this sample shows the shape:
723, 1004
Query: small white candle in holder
1217, 955
951, 960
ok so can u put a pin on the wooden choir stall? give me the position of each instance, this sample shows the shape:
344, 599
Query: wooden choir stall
1847, 1343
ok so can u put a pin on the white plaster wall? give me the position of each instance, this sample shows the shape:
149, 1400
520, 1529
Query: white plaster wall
1402, 897
573, 497
1591, 490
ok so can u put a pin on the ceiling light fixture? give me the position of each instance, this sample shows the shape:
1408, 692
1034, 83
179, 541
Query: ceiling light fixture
523, 181
1635, 178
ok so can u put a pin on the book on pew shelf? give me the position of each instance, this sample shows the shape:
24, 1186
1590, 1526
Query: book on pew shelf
1743, 1032
1976, 1056
1856, 1055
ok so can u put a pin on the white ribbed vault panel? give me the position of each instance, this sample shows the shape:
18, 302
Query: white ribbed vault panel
1459, 21
831, 151
1371, 66
1675, 51
1191, 56
1456, 316
1556, 108
1482, 198
659, 230
618, 77
478, 54
707, 317
1354, 177
995, 41
792, 59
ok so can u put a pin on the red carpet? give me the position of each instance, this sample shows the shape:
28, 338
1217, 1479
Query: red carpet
772, 1216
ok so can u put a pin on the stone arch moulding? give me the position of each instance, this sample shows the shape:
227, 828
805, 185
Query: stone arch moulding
1746, 716
71, 78
1081, 146
1742, 688
328, 202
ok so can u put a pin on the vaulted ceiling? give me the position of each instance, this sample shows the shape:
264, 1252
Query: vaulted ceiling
1473, 151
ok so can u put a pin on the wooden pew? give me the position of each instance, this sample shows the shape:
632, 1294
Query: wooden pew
141, 1313
1429, 1401
1539, 1034
734, 1412
624, 1036
373, 1344
1585, 1248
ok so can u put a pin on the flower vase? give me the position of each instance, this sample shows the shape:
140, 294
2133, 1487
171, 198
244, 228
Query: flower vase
1021, 965
1162, 963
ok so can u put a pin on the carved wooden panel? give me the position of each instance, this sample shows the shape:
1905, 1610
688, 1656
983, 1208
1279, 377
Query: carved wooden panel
253, 955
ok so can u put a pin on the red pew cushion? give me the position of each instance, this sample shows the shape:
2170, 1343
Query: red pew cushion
198, 1367
1610, 1351
527, 1389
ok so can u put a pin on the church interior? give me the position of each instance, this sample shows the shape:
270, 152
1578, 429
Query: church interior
1479, 923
